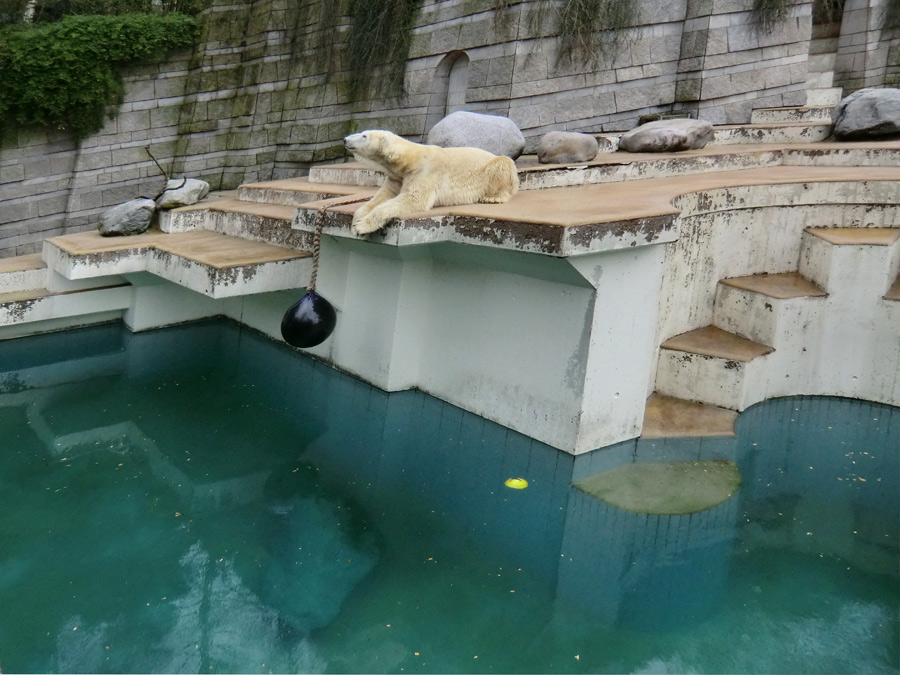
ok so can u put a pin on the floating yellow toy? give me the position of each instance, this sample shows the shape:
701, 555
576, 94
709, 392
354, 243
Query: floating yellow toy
516, 483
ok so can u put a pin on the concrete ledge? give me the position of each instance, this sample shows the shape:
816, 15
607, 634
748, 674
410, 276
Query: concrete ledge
25, 272
605, 217
210, 263
42, 305
668, 417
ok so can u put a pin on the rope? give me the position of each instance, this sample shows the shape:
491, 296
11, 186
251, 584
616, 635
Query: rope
317, 237
317, 247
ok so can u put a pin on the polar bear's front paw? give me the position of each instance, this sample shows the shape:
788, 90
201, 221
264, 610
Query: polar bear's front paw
366, 225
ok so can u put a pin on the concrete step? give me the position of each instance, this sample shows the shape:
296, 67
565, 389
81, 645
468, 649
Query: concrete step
93, 304
846, 259
773, 132
348, 173
22, 273
710, 365
254, 221
768, 308
824, 96
668, 417
296, 191
793, 114
843, 154
214, 264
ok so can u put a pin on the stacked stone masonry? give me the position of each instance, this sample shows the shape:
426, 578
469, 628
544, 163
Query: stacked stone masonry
265, 93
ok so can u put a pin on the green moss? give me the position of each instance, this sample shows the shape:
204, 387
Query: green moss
64, 75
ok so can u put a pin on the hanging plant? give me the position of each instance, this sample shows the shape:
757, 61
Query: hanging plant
593, 31
378, 46
64, 74
767, 14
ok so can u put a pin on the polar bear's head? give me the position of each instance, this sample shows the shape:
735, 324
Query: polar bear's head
375, 147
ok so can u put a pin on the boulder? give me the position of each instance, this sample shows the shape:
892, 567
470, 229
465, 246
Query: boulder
667, 136
567, 147
493, 133
182, 192
132, 217
867, 114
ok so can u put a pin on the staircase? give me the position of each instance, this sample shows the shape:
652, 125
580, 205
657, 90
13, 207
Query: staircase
769, 330
30, 292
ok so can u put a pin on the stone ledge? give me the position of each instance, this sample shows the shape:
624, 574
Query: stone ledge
210, 263
668, 417
602, 217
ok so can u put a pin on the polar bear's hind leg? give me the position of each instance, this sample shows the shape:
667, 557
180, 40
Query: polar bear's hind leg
500, 180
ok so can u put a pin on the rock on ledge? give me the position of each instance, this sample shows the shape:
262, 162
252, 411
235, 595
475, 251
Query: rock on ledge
667, 136
493, 133
867, 114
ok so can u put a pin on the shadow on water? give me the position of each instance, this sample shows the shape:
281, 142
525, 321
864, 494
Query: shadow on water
202, 499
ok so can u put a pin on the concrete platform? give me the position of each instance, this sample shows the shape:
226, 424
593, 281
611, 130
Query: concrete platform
210, 263
668, 417
715, 342
784, 285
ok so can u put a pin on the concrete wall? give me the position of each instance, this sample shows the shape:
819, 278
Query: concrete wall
265, 94
868, 52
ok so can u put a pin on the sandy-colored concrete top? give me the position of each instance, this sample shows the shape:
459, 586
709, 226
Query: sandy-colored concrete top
294, 184
858, 236
611, 202
715, 342
782, 286
630, 200
279, 211
21, 263
209, 248
18, 296
668, 417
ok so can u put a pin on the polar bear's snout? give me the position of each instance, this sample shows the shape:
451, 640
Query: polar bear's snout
354, 141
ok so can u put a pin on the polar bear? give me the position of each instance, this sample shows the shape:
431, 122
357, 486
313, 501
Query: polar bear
420, 177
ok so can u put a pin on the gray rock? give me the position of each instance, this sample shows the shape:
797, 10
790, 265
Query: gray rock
567, 147
867, 113
176, 194
667, 136
132, 217
493, 133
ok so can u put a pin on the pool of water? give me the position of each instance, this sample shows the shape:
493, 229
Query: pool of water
200, 499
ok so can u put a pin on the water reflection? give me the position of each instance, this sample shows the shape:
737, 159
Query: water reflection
197, 499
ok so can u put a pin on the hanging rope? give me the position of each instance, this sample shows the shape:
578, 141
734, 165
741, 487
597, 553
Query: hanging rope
317, 247
317, 236
311, 320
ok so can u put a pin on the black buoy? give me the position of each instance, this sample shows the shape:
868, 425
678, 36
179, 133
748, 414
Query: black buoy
309, 321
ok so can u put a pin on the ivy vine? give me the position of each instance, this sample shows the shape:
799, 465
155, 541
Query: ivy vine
64, 74
766, 14
592, 31
378, 45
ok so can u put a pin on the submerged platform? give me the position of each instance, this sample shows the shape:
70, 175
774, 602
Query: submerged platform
655, 295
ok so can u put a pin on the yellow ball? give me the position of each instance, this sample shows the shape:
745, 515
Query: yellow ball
516, 483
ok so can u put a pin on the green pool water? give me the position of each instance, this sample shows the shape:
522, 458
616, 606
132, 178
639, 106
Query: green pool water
200, 499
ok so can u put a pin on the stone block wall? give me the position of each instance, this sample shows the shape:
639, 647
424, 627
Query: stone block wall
266, 94
868, 52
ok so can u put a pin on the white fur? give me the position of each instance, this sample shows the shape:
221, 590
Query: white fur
420, 177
